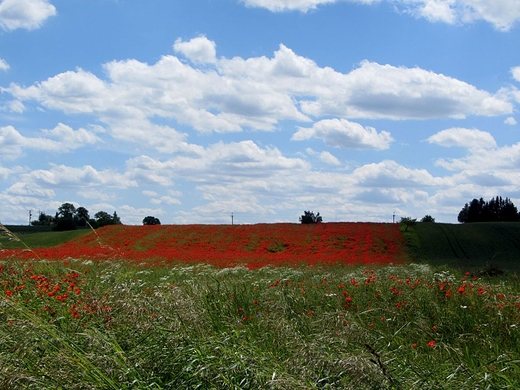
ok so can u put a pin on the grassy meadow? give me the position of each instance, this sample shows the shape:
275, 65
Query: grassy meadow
80, 323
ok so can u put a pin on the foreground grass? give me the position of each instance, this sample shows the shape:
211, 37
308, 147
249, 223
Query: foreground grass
111, 325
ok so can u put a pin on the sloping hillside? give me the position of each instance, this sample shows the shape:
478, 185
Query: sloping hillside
470, 246
252, 245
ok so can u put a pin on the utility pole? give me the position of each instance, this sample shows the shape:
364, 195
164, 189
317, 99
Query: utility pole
30, 216
231, 218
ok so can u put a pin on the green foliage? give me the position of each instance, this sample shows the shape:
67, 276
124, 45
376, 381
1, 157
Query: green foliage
43, 220
428, 218
150, 220
69, 217
494, 210
102, 218
309, 328
67, 211
309, 217
63, 224
407, 222
82, 216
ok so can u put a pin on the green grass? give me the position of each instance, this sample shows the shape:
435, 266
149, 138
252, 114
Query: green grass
191, 327
41, 239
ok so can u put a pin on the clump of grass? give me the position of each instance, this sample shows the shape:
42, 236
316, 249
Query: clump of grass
83, 324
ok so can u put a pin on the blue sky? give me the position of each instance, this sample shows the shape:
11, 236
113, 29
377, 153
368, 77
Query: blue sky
191, 110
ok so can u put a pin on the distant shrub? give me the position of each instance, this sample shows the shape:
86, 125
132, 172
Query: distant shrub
150, 220
428, 218
310, 217
407, 222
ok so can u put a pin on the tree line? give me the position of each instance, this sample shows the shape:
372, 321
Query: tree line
68, 217
497, 209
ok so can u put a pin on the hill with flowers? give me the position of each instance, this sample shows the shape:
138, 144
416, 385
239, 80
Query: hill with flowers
466, 246
228, 245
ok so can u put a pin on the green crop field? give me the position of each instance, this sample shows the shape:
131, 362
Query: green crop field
38, 239
468, 246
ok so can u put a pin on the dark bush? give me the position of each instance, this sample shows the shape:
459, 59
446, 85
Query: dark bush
310, 217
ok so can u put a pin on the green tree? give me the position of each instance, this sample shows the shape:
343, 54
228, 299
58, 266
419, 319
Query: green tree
102, 218
67, 210
149, 220
65, 217
310, 217
115, 219
43, 220
407, 222
82, 216
494, 210
428, 218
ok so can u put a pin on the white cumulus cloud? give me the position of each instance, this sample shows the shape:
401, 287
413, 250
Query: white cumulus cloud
516, 73
341, 133
27, 14
464, 138
329, 158
502, 14
198, 49
61, 139
254, 93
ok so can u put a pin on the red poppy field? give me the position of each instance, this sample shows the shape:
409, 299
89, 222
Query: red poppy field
253, 246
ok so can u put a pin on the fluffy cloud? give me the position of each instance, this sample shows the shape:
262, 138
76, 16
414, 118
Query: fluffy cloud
61, 176
390, 174
77, 92
329, 158
326, 157
506, 158
344, 134
465, 138
4, 65
510, 121
28, 190
166, 200
221, 162
256, 93
502, 14
516, 73
60, 139
197, 49
27, 14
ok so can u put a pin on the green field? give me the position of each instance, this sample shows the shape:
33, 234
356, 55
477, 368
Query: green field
472, 246
35, 238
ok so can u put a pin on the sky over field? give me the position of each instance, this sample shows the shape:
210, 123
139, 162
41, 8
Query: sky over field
193, 110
